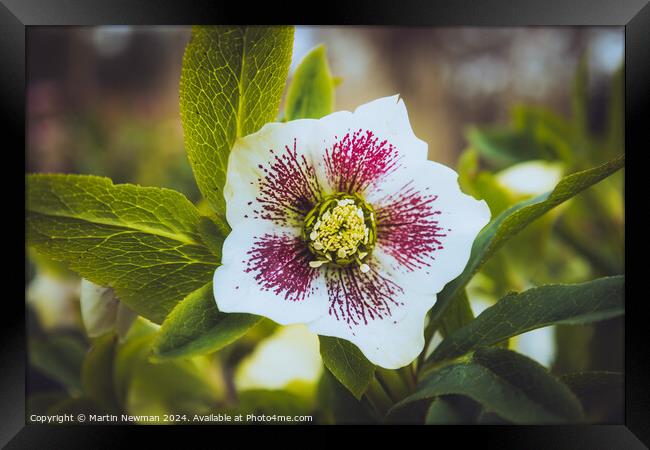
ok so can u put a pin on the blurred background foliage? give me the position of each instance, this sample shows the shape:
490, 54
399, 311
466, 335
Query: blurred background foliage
513, 110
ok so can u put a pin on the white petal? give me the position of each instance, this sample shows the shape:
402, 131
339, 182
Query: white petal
391, 341
436, 225
372, 157
269, 173
98, 308
275, 283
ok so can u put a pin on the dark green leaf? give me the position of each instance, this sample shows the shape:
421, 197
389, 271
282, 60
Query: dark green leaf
311, 92
347, 364
213, 235
588, 384
506, 383
457, 315
516, 218
60, 357
338, 404
536, 308
196, 326
143, 242
601, 393
231, 84
452, 410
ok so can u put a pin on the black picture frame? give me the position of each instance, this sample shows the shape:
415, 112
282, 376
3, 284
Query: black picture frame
634, 15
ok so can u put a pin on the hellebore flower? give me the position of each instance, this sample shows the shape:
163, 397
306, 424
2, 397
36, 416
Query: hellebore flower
342, 224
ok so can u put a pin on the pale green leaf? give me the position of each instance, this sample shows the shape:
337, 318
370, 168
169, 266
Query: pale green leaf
231, 84
511, 385
196, 326
536, 308
97, 373
311, 92
143, 242
347, 363
516, 218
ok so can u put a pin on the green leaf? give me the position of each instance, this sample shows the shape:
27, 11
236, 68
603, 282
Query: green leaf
536, 308
311, 92
97, 374
602, 395
143, 242
442, 412
187, 386
586, 385
213, 235
231, 84
347, 364
516, 218
509, 384
338, 404
59, 357
503, 147
457, 315
196, 326
452, 410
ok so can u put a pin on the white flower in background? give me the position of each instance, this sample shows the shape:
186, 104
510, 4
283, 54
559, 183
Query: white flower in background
288, 356
54, 300
342, 224
101, 311
531, 177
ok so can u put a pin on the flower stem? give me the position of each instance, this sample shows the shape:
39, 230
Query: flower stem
378, 398
397, 383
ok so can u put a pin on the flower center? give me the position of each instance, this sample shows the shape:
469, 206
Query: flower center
340, 230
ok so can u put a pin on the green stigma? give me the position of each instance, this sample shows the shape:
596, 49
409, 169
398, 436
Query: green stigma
340, 230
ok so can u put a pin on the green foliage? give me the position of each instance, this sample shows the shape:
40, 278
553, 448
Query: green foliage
174, 387
503, 147
144, 242
338, 404
196, 327
516, 218
311, 92
60, 357
601, 394
509, 384
348, 365
442, 412
231, 84
269, 402
158, 252
536, 308
96, 374
458, 315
